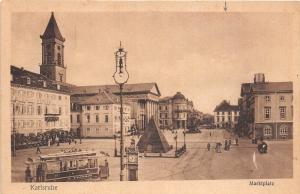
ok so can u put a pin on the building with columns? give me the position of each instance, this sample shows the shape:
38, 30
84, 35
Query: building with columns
142, 98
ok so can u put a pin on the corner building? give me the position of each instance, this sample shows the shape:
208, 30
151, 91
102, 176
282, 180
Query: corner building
41, 102
267, 109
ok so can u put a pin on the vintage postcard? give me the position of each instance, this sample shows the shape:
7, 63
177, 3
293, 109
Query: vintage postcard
150, 97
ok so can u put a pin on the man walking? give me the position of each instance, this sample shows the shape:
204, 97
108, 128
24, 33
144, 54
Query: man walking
38, 150
208, 146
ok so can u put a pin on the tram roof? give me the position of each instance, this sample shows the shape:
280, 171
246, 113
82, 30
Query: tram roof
67, 154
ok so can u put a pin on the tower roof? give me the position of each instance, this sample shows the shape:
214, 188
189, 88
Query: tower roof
52, 30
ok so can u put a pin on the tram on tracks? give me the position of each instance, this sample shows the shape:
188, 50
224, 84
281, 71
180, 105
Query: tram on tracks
67, 166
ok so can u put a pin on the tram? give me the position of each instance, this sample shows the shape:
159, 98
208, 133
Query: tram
67, 166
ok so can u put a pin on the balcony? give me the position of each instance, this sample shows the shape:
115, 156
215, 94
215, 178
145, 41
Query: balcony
52, 117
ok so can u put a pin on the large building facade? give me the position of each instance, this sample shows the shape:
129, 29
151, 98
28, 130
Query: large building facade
173, 111
41, 102
142, 99
98, 115
266, 109
226, 115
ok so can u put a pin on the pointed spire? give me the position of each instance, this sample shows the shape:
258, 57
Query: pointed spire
52, 30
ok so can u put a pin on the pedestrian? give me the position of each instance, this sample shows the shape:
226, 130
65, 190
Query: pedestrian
210, 134
208, 146
236, 141
75, 142
28, 174
226, 143
49, 143
38, 173
38, 150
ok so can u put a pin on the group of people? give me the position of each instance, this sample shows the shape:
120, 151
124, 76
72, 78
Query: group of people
227, 145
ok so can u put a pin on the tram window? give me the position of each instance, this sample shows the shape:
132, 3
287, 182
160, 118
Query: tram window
53, 167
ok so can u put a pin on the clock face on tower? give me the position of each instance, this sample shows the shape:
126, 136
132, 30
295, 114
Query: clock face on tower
132, 158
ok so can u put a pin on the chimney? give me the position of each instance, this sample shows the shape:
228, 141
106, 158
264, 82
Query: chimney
259, 78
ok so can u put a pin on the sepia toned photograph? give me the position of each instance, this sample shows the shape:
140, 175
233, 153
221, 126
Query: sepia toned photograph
145, 96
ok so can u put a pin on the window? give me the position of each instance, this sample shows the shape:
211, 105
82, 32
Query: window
283, 130
58, 86
160, 115
223, 118
58, 59
166, 122
267, 111
88, 130
218, 119
71, 118
166, 115
222, 113
267, 98
166, 107
39, 110
282, 111
282, 99
97, 118
97, 107
44, 84
217, 113
78, 118
60, 77
88, 107
97, 130
159, 107
88, 118
105, 107
46, 110
59, 111
106, 118
267, 130
28, 80
59, 97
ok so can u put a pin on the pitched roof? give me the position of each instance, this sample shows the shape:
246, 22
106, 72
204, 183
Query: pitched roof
266, 87
20, 76
272, 87
52, 30
101, 98
226, 106
164, 99
128, 88
154, 137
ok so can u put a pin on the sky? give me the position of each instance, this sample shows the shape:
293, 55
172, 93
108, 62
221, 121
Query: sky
206, 56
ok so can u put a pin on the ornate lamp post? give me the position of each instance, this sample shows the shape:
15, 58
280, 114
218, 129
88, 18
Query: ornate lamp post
121, 77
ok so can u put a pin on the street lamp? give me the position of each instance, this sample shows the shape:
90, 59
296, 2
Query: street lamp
116, 151
175, 138
184, 139
121, 77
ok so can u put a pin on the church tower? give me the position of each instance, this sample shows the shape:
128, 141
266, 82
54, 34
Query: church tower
53, 52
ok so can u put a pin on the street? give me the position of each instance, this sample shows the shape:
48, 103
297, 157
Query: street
196, 164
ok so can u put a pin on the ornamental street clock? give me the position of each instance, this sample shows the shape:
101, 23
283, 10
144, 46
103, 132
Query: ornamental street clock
132, 163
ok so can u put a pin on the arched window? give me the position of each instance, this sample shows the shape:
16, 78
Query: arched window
58, 59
